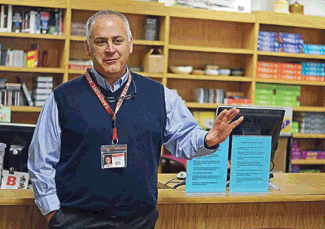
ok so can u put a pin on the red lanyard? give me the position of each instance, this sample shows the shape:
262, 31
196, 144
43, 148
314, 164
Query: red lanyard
105, 103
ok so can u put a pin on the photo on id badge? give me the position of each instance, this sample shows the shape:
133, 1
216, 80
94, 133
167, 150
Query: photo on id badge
113, 157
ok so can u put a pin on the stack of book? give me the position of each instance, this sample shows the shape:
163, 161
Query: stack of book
42, 90
212, 95
9, 93
45, 21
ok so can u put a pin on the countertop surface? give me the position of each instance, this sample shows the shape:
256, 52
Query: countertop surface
293, 187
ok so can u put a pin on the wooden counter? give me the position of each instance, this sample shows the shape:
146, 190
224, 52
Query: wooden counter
299, 204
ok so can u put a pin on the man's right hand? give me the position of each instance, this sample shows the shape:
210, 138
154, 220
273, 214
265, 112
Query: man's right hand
49, 215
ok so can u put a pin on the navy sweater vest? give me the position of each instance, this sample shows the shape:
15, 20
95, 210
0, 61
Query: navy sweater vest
86, 126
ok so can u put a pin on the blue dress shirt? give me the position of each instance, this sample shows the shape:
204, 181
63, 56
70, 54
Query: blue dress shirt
183, 138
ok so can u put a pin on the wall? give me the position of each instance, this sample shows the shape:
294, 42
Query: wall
311, 7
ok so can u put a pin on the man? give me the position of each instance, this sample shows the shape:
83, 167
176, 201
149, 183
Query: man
111, 110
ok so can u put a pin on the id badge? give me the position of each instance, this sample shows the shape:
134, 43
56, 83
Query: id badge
113, 156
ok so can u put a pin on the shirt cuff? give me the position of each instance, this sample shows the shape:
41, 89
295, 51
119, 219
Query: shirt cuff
49, 203
214, 147
203, 150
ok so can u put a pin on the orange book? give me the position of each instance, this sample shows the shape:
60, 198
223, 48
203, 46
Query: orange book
32, 57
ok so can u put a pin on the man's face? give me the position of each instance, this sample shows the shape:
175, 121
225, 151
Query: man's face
109, 47
108, 160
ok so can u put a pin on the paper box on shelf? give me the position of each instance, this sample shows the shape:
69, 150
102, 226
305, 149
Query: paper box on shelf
153, 61
5, 114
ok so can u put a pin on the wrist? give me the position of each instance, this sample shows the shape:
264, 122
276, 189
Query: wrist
208, 144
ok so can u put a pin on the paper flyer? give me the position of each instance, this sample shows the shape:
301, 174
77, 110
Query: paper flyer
208, 174
17, 180
250, 164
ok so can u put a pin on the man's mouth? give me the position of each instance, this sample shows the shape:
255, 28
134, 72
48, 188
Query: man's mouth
111, 60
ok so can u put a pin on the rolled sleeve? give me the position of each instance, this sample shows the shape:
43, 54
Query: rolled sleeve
183, 137
43, 155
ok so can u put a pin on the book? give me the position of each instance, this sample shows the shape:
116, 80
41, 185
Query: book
9, 19
33, 57
51, 24
2, 19
57, 22
26, 92
151, 28
17, 21
44, 79
3, 93
26, 22
3, 58
60, 21
32, 22
44, 21
38, 23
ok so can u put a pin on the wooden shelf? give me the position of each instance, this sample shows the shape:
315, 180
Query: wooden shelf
25, 109
136, 42
37, 3
291, 55
309, 109
311, 83
34, 36
146, 74
209, 49
300, 135
40, 69
212, 78
201, 105
205, 105
308, 162
123, 6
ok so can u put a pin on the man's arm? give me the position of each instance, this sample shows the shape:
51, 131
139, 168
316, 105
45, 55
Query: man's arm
43, 155
185, 138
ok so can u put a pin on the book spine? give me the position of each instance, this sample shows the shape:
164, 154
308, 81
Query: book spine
9, 19
60, 21
38, 23
57, 22
2, 17
32, 22
27, 95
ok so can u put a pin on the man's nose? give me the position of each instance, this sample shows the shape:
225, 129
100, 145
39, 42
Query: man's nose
110, 47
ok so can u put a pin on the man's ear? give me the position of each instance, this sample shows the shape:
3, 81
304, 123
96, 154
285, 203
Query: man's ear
87, 48
131, 45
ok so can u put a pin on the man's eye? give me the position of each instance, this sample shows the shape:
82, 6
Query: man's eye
118, 41
100, 42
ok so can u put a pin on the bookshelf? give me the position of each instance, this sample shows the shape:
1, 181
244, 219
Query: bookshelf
187, 37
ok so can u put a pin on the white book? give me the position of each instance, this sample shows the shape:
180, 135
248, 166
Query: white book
9, 19
39, 103
17, 97
2, 17
41, 91
44, 84
8, 58
14, 58
32, 22
38, 97
21, 55
44, 79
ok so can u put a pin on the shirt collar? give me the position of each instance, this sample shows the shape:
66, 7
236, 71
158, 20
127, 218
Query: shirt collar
102, 82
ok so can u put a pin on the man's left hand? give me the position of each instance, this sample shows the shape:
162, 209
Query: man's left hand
223, 126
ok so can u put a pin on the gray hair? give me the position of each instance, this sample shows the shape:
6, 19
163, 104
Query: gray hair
102, 14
